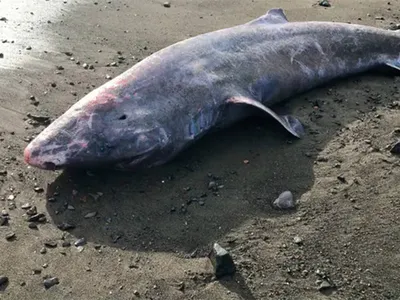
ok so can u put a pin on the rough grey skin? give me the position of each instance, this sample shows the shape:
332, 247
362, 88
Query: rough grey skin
150, 113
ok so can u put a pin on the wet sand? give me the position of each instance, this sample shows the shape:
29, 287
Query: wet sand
152, 230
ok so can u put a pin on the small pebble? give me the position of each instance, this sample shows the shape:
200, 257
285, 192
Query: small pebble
38, 190
65, 226
50, 244
4, 213
395, 27
90, 215
66, 244
80, 242
324, 3
31, 211
212, 185
26, 206
285, 201
3, 221
10, 236
222, 261
167, 4
32, 226
297, 240
3, 280
324, 285
35, 218
49, 282
395, 148
43, 250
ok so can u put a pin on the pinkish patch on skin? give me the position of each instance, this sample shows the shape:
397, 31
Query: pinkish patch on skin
83, 144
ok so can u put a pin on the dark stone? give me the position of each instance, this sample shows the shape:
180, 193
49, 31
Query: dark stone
324, 3
36, 217
10, 236
49, 282
395, 148
3, 280
80, 242
65, 226
32, 226
66, 244
3, 221
50, 244
222, 261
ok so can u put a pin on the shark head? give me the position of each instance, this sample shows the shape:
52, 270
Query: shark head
106, 128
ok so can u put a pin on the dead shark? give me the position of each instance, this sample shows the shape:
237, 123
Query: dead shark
151, 112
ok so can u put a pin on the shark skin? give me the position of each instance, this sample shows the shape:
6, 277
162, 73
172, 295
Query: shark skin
151, 112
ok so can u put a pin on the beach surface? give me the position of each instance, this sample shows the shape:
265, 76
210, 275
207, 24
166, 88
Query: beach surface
146, 235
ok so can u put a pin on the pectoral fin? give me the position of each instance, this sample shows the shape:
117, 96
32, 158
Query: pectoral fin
290, 123
394, 64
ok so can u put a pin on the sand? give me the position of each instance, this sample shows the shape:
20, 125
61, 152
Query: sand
147, 234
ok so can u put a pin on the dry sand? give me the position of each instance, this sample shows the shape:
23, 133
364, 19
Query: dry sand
349, 226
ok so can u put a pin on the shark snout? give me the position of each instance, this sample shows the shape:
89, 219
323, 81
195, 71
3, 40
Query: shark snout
37, 156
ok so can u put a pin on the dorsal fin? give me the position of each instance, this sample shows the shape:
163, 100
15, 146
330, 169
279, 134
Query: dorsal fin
273, 16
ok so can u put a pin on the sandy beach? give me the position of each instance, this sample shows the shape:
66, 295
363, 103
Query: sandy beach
147, 234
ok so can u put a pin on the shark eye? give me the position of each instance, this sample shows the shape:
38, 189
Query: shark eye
123, 117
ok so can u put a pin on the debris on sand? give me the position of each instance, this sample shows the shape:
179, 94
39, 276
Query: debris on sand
325, 285
10, 236
50, 244
38, 189
394, 26
90, 215
3, 221
324, 3
395, 148
298, 240
222, 261
3, 280
49, 282
284, 201
39, 119
80, 242
37, 218
65, 226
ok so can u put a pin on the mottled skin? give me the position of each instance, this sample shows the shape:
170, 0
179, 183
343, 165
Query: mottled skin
163, 104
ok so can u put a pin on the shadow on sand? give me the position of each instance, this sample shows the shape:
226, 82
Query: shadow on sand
172, 209
189, 202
